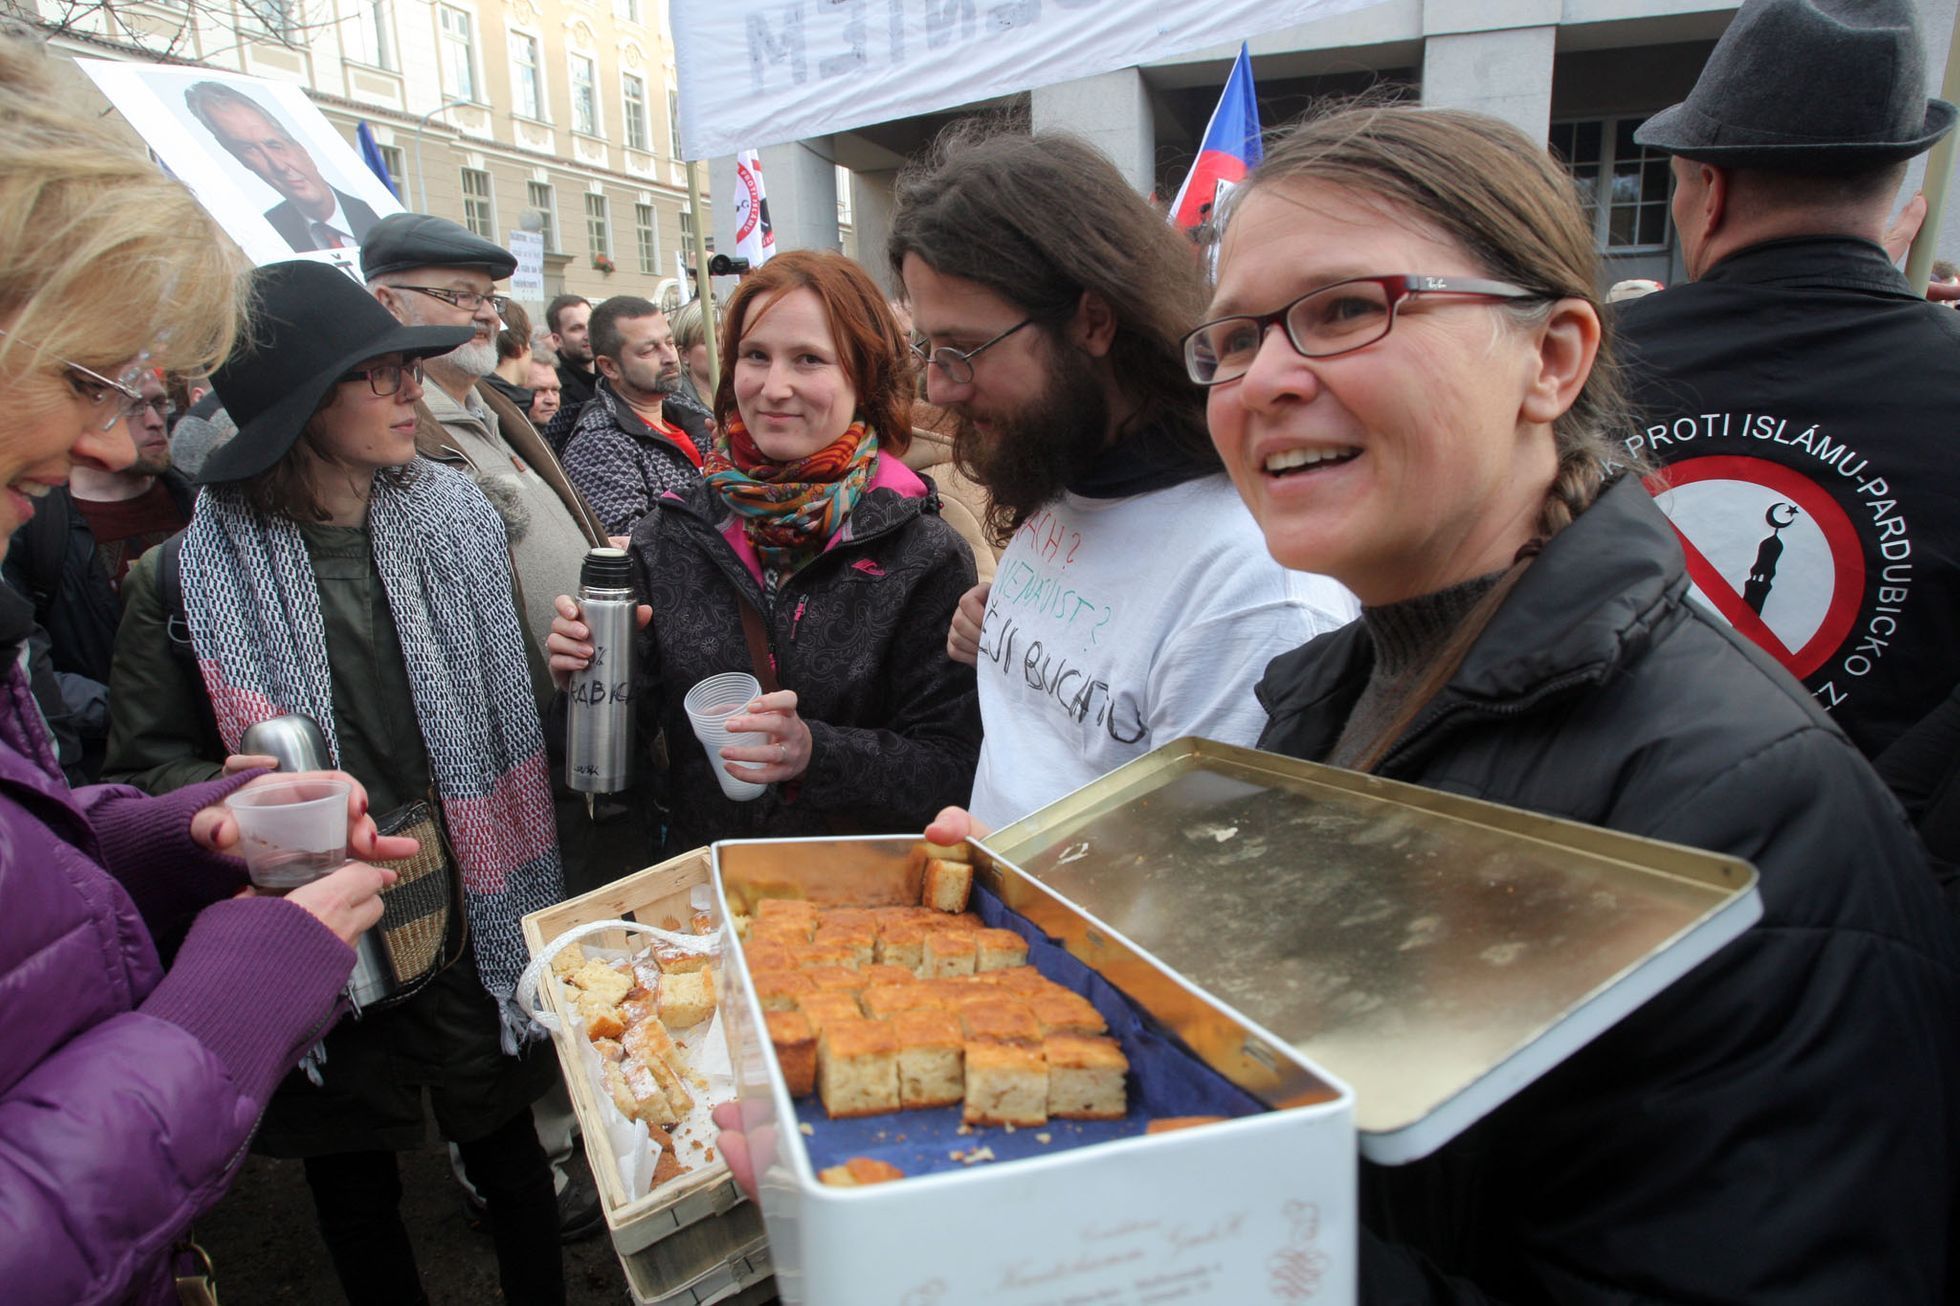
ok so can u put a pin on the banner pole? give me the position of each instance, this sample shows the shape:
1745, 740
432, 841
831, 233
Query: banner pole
1939, 168
701, 282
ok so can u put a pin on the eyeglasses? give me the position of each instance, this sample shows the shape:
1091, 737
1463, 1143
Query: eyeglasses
386, 378
123, 398
1336, 319
958, 364
467, 300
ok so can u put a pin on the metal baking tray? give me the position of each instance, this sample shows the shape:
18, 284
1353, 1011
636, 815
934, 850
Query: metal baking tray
1437, 953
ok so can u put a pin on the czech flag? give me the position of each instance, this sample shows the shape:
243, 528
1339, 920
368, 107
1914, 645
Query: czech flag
1229, 150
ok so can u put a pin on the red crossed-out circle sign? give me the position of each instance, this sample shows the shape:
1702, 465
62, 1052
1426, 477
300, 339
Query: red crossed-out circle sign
1723, 507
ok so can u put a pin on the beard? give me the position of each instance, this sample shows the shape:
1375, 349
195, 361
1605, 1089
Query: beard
1029, 456
473, 358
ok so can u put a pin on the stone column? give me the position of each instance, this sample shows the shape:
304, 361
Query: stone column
1506, 74
1112, 112
871, 214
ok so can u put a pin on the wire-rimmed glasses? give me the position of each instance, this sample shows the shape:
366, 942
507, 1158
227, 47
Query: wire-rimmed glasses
99, 389
467, 300
957, 364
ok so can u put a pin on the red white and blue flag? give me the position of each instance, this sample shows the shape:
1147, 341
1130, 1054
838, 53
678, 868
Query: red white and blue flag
1229, 150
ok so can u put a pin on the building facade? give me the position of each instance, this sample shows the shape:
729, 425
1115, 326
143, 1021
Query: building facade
557, 116
1578, 74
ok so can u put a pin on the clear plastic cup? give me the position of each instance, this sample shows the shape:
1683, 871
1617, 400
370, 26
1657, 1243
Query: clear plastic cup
709, 705
291, 832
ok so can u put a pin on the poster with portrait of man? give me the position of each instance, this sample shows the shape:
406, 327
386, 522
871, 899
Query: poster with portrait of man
260, 157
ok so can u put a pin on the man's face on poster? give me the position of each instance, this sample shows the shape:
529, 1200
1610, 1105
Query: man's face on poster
272, 156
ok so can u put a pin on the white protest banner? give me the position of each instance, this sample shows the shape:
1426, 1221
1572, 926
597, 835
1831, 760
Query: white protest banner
258, 155
527, 283
761, 72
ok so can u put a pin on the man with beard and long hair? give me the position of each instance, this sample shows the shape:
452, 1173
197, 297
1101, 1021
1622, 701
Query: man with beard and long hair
627, 448
71, 557
1135, 603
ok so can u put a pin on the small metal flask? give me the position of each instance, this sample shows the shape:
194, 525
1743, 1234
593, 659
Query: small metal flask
295, 740
599, 728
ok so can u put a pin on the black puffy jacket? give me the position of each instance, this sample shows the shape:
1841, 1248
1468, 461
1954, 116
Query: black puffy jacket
860, 635
1780, 1125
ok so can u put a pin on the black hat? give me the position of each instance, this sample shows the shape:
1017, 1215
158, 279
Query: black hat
402, 241
1808, 86
311, 324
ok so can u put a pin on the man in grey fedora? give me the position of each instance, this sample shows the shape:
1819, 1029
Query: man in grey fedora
1798, 397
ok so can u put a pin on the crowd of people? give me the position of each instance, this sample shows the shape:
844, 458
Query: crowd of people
1392, 487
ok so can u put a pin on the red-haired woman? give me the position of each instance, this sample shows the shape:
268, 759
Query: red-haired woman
807, 519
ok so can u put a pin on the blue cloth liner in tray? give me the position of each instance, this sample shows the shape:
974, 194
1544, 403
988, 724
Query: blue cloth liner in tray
1166, 1079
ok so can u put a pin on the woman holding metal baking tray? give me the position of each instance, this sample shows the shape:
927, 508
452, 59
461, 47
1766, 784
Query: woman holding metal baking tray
810, 565
332, 574
1412, 388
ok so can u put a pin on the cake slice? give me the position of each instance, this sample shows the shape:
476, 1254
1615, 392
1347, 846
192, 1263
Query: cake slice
857, 1068
671, 960
885, 973
795, 1041
1085, 1077
823, 1008
836, 979
602, 1018
947, 953
882, 1001
1006, 1084
861, 937
999, 950
860, 1171
1000, 1021
947, 885
931, 1054
826, 954
902, 944
798, 912
1066, 1013
602, 981
778, 990
687, 999
568, 960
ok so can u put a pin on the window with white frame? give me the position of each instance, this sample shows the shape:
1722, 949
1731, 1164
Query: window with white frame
585, 96
546, 205
634, 91
598, 229
526, 82
364, 33
1622, 185
458, 52
627, 10
674, 121
479, 214
648, 237
687, 230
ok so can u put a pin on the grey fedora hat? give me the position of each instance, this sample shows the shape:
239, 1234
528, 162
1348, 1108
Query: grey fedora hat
311, 324
1808, 86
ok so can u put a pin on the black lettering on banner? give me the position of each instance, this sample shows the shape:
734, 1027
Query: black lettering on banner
855, 30
786, 46
1014, 13
895, 24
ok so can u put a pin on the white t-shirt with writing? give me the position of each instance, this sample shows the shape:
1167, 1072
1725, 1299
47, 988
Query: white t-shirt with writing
1118, 625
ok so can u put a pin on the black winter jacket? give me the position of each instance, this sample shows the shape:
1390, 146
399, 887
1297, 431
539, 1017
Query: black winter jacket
620, 464
1780, 1125
860, 635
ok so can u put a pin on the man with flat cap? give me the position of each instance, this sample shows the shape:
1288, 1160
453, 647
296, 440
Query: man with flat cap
1797, 396
429, 271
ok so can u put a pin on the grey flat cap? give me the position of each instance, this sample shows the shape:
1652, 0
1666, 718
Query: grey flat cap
402, 241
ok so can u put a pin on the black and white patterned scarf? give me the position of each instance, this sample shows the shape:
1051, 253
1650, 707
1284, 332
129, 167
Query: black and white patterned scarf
254, 615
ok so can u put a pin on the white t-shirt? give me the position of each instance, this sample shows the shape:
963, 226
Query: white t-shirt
1117, 625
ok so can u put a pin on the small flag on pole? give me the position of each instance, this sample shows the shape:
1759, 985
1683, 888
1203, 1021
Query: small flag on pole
1229, 150
755, 239
371, 155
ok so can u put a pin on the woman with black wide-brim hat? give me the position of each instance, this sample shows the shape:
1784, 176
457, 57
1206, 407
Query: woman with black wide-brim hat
329, 571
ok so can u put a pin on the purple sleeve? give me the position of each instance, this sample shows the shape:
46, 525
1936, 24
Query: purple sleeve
146, 844
111, 1146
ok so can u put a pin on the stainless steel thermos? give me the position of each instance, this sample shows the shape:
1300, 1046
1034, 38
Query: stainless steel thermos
295, 739
599, 734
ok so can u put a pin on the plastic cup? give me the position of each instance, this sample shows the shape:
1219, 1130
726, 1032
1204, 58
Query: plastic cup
291, 832
709, 705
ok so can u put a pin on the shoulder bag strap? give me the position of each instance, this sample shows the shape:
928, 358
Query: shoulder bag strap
764, 665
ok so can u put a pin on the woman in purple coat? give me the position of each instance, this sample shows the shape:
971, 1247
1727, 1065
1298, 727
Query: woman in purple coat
127, 1089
